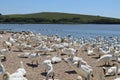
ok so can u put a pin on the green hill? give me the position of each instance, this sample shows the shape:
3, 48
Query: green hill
57, 18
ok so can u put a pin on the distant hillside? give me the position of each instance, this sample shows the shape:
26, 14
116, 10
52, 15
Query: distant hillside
57, 18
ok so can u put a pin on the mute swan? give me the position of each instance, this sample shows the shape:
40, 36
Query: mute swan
1, 36
82, 70
117, 79
21, 69
90, 52
7, 44
46, 62
102, 52
75, 60
85, 68
116, 74
65, 44
3, 52
25, 46
106, 58
56, 58
69, 51
20, 72
24, 55
19, 46
10, 39
50, 70
34, 57
7, 76
57, 46
44, 48
112, 70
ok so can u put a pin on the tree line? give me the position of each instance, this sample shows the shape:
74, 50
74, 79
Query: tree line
74, 20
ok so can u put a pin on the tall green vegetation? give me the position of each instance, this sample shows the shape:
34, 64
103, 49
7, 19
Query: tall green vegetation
57, 18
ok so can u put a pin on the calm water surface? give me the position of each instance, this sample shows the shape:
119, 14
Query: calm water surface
86, 30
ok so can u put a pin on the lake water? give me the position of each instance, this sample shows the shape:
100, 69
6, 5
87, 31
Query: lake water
76, 30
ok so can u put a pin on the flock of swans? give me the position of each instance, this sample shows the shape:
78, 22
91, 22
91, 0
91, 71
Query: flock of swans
57, 50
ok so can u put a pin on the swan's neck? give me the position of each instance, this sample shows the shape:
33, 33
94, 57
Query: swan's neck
3, 69
6, 76
49, 72
117, 67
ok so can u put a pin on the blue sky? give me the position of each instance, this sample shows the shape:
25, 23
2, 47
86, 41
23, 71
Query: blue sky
109, 8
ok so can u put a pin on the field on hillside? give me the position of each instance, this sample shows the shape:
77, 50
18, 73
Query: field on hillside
57, 18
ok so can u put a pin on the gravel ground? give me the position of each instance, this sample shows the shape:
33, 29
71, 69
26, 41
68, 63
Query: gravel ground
62, 70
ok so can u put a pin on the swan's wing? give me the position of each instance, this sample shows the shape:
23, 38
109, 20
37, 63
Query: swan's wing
85, 68
111, 71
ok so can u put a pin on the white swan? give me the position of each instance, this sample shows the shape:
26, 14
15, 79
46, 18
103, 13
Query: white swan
116, 74
57, 46
24, 55
10, 39
117, 79
21, 69
90, 52
20, 72
1, 36
75, 60
19, 46
65, 44
49, 66
7, 76
102, 52
56, 58
3, 51
69, 51
44, 48
34, 57
106, 58
50, 71
82, 70
85, 68
112, 70
7, 44
29, 47
46, 63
